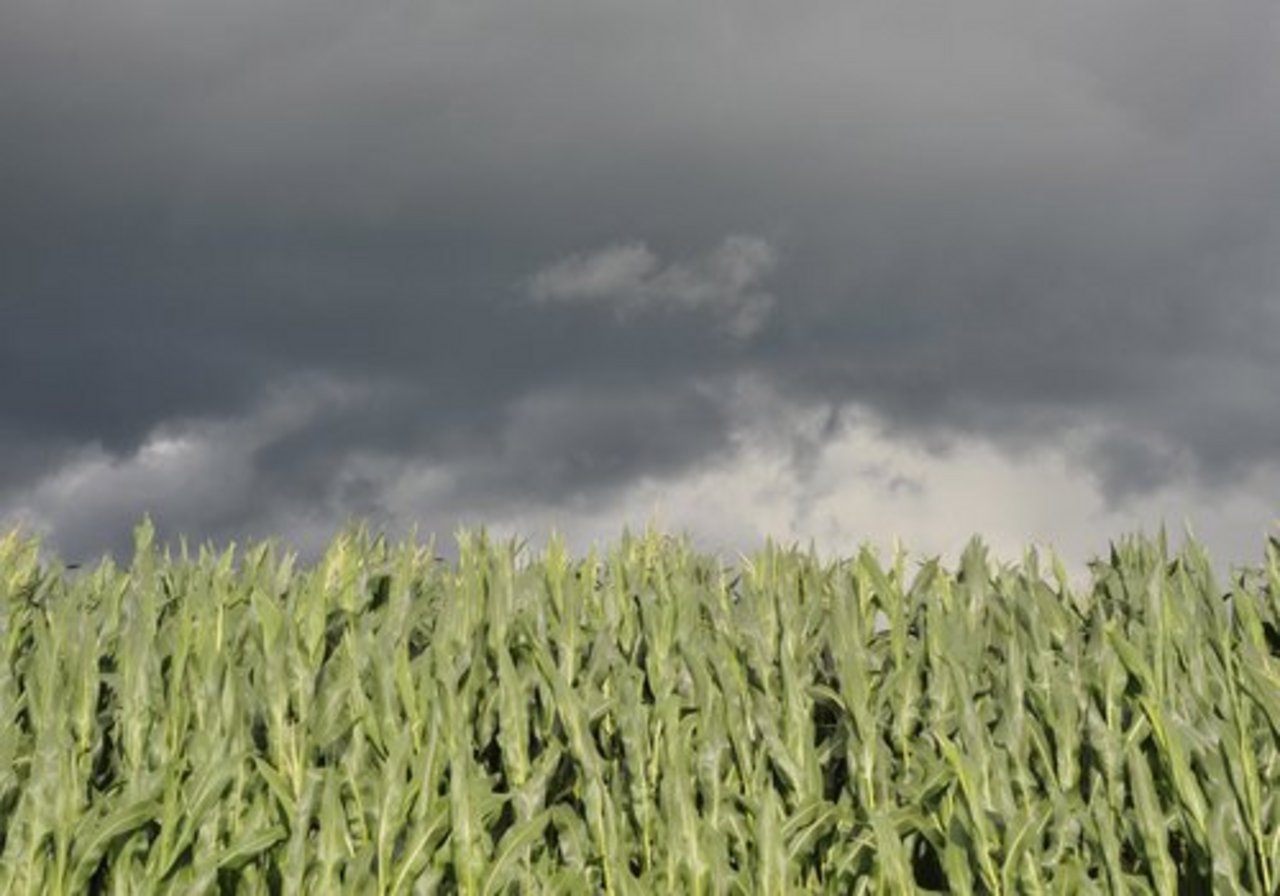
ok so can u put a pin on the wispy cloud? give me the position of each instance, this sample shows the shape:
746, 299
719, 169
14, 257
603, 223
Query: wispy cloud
629, 277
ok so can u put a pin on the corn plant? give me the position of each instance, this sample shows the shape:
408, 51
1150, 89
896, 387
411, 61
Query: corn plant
643, 719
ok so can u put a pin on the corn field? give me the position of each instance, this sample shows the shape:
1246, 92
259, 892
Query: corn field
645, 719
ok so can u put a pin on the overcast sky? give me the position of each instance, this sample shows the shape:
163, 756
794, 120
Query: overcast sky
832, 270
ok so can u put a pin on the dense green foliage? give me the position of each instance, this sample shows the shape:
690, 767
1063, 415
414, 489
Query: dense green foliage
646, 721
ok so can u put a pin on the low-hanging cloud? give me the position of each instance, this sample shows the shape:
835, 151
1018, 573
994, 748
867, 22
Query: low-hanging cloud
198, 476
726, 282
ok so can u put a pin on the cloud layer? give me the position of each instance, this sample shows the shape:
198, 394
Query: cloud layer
548, 243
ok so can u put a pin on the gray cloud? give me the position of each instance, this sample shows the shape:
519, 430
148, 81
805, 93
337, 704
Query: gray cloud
629, 277
1016, 224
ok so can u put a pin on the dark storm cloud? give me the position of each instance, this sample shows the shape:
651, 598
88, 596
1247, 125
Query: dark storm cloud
997, 218
575, 442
